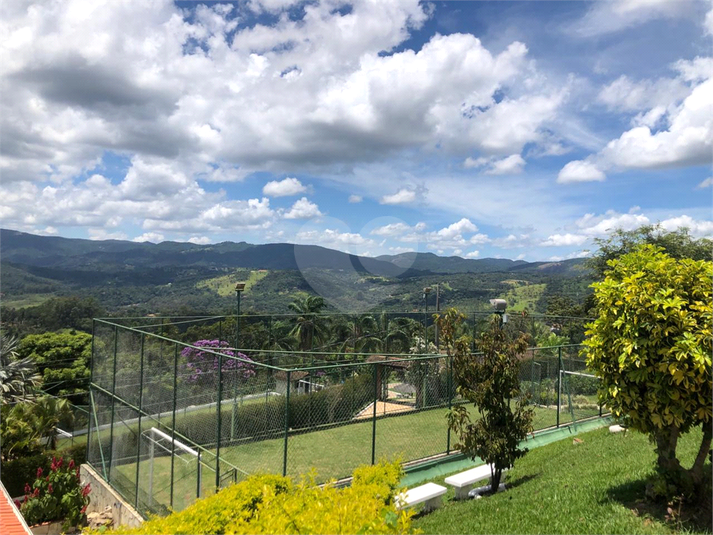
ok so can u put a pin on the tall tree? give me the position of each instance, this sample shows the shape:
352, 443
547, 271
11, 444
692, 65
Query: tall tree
309, 326
62, 359
18, 376
651, 344
677, 244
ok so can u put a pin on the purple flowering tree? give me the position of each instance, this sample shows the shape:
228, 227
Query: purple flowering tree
202, 363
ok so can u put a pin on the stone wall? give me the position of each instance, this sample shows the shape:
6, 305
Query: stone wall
103, 496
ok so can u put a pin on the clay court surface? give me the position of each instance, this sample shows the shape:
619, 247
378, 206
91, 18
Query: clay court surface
382, 407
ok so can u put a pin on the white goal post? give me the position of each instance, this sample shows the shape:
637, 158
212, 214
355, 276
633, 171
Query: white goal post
156, 437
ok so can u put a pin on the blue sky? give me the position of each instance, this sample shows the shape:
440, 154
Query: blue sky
479, 129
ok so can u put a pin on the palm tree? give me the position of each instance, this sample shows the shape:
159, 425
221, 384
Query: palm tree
309, 326
18, 377
362, 335
397, 333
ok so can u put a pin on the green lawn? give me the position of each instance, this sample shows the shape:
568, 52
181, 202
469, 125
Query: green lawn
595, 486
333, 452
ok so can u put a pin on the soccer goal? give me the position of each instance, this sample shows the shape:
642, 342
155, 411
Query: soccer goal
581, 390
158, 439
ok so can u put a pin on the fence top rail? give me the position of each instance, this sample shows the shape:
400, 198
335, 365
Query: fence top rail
389, 357
188, 319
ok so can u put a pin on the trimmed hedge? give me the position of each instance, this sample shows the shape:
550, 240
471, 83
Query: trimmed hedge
273, 504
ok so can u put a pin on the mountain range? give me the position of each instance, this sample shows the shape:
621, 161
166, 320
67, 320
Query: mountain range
35, 267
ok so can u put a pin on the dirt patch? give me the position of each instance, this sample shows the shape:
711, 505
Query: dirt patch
382, 408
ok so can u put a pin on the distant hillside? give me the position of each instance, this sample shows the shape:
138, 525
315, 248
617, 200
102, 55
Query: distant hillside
145, 277
450, 264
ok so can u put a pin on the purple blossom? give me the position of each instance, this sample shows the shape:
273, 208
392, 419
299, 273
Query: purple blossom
203, 365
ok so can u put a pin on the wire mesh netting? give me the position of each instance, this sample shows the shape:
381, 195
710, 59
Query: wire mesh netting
178, 412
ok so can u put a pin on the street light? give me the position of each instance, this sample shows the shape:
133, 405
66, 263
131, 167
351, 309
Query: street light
239, 288
500, 305
426, 291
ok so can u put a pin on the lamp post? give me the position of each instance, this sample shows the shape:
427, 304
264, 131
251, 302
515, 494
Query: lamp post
239, 288
426, 291
499, 306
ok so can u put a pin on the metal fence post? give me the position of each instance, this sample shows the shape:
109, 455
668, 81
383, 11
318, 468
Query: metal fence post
220, 422
91, 401
198, 475
450, 401
173, 418
287, 422
559, 383
113, 404
138, 438
373, 421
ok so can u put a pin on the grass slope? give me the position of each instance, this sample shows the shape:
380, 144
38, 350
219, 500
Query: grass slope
590, 487
523, 295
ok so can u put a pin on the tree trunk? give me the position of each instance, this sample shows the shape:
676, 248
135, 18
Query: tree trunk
696, 471
666, 442
495, 480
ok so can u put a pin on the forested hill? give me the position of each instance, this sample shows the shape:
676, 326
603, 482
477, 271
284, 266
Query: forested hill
172, 276
80, 254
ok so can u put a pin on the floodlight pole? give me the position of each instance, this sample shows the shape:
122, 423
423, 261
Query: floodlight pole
239, 288
426, 291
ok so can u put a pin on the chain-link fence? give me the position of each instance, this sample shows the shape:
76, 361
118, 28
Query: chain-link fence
178, 412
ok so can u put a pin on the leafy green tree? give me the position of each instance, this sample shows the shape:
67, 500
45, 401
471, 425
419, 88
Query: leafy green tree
18, 376
63, 360
490, 380
309, 326
651, 345
677, 244
27, 425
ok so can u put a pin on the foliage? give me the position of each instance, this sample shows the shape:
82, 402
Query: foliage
491, 381
651, 345
677, 244
203, 365
25, 425
18, 376
273, 504
57, 496
309, 327
22, 470
62, 359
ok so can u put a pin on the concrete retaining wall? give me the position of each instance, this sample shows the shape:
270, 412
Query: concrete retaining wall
103, 496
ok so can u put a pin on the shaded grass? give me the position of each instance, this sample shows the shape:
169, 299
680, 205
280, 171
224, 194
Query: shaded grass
596, 486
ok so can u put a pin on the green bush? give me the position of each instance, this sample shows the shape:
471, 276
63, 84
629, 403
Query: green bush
16, 473
59, 495
273, 504
19, 472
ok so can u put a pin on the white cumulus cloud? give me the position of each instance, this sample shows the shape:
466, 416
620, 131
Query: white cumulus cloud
303, 209
283, 188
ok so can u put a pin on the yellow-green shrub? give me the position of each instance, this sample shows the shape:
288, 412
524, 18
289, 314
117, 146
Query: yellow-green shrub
214, 514
273, 504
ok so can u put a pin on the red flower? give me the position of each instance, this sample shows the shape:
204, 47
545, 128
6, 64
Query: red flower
39, 472
87, 489
60, 462
77, 472
18, 504
36, 493
50, 488
71, 464
83, 510
27, 488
